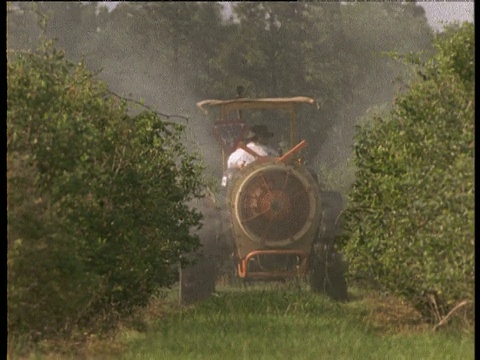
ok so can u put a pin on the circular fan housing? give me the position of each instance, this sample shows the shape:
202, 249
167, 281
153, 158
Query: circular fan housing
275, 204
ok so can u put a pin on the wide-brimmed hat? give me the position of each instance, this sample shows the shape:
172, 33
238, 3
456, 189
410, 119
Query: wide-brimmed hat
258, 131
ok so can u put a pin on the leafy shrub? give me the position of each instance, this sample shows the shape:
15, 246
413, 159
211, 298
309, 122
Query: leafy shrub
97, 198
411, 209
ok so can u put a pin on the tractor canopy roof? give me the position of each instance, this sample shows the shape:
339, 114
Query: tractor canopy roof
228, 106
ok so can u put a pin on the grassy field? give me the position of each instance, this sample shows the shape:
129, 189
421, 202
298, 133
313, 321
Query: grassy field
282, 322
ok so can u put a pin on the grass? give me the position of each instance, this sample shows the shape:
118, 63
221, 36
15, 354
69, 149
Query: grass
293, 323
282, 322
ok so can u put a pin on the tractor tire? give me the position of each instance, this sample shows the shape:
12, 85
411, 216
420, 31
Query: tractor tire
328, 276
331, 224
318, 277
337, 289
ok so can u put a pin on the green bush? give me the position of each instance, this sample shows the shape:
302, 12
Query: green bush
411, 211
97, 199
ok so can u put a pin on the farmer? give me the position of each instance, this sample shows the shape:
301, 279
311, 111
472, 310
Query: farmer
257, 139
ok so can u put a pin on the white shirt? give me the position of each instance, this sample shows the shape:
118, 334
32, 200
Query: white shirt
241, 158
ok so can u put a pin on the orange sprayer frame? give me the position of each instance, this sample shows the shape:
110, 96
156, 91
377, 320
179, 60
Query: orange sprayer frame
242, 266
284, 157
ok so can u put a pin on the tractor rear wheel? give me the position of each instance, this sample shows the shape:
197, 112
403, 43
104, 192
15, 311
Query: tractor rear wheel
327, 275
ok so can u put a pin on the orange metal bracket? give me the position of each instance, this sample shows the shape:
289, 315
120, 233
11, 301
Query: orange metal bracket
243, 264
293, 150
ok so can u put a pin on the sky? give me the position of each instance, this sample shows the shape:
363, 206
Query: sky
436, 11
447, 11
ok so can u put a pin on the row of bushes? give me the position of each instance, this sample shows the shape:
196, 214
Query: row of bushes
411, 209
97, 214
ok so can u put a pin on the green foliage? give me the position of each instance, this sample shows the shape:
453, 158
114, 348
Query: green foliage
97, 198
338, 178
411, 215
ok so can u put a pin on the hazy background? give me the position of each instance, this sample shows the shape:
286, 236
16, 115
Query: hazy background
174, 54
438, 12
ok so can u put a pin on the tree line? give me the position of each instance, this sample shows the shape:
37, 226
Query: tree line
175, 54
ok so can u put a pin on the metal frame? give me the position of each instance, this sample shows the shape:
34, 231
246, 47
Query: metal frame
286, 104
244, 273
